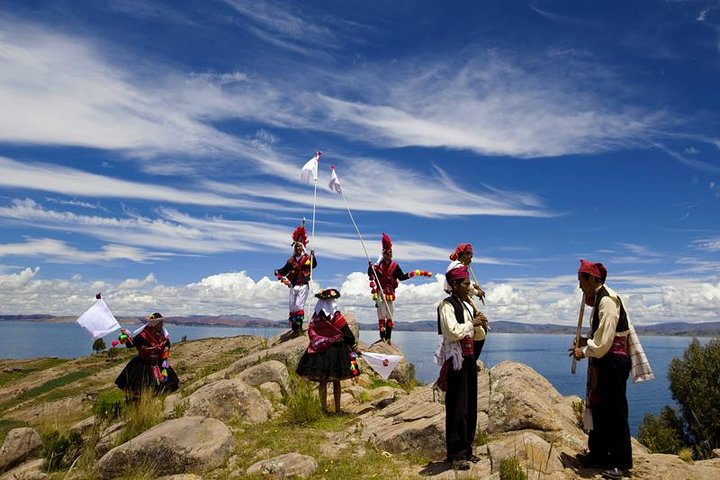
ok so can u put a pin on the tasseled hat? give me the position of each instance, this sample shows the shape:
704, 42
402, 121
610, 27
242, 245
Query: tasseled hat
386, 243
300, 235
154, 319
463, 247
597, 270
328, 294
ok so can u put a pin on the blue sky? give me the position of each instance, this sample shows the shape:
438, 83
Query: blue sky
152, 150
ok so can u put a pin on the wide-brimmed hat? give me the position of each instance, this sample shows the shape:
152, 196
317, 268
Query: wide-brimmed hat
328, 294
154, 319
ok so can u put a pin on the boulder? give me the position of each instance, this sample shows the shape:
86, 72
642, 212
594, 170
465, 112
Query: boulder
31, 470
226, 399
270, 371
413, 423
19, 444
183, 445
523, 399
533, 452
285, 466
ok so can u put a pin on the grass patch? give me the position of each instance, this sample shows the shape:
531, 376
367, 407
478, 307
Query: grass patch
49, 386
511, 469
371, 464
481, 438
303, 406
29, 368
141, 415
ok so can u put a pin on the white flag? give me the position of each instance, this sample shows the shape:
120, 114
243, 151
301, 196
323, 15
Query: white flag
334, 184
98, 320
310, 169
381, 363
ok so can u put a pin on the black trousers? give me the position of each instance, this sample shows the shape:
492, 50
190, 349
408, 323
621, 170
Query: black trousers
461, 410
609, 440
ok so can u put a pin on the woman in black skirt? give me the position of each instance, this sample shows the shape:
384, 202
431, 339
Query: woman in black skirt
331, 354
150, 370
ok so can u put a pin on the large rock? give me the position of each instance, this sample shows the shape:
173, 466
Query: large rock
183, 445
534, 452
523, 399
226, 399
19, 444
270, 371
31, 470
285, 466
414, 423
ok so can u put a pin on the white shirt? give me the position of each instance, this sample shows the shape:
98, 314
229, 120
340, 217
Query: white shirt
454, 331
609, 313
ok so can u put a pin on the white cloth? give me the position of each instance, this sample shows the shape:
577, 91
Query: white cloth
446, 349
640, 370
385, 308
138, 330
98, 320
326, 305
334, 183
298, 297
381, 363
310, 169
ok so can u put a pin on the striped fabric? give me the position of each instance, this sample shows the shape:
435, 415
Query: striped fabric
640, 370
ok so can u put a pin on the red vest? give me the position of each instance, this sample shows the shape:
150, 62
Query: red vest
155, 344
385, 273
300, 273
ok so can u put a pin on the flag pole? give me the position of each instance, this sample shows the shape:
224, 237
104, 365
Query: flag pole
367, 255
312, 235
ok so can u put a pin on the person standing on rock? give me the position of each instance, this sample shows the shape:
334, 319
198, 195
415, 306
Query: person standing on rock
609, 349
150, 370
331, 355
388, 273
463, 255
296, 275
460, 325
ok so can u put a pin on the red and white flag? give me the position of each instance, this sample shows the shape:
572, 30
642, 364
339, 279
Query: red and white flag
334, 184
310, 169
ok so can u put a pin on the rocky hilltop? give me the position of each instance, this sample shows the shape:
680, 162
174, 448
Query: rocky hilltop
231, 419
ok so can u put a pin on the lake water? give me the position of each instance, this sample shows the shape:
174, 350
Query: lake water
547, 354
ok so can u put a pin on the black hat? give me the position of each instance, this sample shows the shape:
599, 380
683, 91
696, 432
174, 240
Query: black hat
328, 294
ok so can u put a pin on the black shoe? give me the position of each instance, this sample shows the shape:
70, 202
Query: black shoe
473, 458
614, 473
587, 460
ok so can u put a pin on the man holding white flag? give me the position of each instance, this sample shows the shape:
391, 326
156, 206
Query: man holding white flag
310, 169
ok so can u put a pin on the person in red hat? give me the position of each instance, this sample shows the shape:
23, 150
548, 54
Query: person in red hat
460, 326
463, 255
388, 273
296, 275
331, 353
609, 367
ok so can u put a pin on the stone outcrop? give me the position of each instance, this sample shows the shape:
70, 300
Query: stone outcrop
270, 371
184, 445
31, 470
19, 444
289, 465
227, 399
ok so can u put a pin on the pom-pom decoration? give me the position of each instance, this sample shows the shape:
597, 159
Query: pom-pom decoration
419, 273
115, 343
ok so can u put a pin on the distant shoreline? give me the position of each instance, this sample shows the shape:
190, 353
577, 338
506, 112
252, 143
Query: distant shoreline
705, 329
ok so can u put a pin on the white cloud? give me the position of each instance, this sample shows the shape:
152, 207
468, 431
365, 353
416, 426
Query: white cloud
540, 301
56, 251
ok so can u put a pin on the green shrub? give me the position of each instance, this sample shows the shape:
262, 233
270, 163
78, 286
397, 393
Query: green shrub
140, 415
511, 469
686, 455
695, 387
302, 402
110, 404
61, 450
662, 434
579, 411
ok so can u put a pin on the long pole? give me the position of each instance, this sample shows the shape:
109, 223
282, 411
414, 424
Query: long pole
482, 297
312, 237
367, 255
578, 333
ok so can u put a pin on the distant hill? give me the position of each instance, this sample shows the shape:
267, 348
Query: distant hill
705, 329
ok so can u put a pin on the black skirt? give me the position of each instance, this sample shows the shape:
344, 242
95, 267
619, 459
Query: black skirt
138, 376
332, 364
